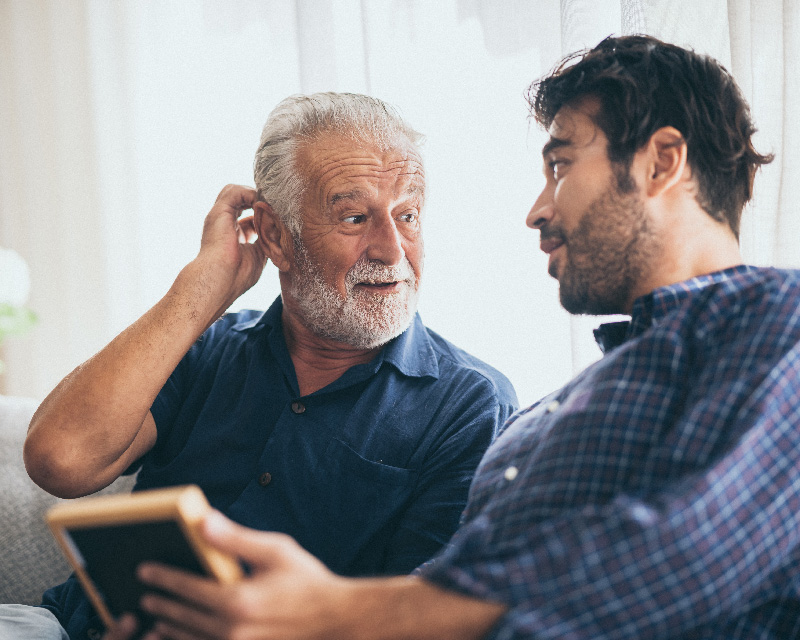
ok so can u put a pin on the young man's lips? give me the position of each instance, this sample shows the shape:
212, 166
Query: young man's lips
549, 245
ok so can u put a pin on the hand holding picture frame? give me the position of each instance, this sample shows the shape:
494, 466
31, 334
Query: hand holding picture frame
105, 539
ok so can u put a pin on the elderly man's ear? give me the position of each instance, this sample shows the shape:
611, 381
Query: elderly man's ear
273, 235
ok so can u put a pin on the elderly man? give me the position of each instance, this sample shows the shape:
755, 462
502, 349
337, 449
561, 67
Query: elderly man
336, 416
657, 495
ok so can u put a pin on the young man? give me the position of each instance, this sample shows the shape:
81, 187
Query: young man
336, 416
657, 495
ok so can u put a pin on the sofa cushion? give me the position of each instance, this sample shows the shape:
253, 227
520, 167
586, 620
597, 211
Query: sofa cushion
30, 560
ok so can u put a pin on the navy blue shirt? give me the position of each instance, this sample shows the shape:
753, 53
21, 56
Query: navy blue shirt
369, 473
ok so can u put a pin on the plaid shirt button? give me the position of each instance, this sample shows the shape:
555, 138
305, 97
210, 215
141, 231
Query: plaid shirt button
511, 473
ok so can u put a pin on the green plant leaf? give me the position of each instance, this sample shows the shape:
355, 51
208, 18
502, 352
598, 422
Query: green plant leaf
15, 320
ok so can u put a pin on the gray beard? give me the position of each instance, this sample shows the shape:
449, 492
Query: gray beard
361, 320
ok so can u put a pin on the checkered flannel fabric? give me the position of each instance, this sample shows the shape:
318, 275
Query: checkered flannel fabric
657, 495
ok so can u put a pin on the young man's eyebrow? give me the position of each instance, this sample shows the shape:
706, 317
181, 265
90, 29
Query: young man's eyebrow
554, 143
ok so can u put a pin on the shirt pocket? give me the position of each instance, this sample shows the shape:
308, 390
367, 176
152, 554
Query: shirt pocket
363, 501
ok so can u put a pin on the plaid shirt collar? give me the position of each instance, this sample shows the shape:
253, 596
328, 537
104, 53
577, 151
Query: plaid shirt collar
650, 308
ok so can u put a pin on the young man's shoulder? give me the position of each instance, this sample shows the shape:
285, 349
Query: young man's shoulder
766, 279
754, 312
768, 291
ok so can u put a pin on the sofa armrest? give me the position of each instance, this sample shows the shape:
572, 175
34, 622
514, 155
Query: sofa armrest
30, 560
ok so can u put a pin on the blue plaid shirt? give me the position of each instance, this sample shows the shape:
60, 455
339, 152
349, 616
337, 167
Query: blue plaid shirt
657, 495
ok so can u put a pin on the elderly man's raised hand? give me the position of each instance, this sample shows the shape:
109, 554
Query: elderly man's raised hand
231, 257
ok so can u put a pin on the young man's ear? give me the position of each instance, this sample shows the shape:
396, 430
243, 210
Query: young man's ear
666, 160
273, 235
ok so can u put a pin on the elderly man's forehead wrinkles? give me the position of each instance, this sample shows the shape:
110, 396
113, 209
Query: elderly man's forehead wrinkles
410, 163
355, 165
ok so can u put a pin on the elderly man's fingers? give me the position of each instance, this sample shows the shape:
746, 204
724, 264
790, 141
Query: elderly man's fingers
237, 197
247, 230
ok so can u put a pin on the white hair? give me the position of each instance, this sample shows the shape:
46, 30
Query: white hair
304, 118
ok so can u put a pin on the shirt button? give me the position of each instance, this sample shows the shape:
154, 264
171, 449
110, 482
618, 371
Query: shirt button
94, 634
298, 407
511, 473
264, 479
554, 405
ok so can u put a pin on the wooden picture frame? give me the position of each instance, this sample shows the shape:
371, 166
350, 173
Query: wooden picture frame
106, 537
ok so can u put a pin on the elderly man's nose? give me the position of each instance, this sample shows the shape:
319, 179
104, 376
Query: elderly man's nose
386, 243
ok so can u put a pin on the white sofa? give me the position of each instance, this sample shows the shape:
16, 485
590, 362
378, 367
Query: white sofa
30, 561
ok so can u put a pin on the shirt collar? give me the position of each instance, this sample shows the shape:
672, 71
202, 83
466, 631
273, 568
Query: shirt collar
650, 308
270, 318
411, 352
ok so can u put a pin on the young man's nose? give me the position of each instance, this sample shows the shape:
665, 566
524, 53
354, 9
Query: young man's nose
542, 210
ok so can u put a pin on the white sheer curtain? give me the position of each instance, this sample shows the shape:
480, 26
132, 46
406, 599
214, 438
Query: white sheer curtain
123, 119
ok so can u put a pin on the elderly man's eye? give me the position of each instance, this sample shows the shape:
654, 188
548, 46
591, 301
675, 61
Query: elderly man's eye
409, 216
356, 218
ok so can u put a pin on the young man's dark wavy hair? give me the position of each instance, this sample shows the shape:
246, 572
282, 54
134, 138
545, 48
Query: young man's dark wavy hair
644, 84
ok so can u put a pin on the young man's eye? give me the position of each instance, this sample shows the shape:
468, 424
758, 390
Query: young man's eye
556, 167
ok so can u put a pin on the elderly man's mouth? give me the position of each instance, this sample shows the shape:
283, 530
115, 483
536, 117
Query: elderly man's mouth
381, 287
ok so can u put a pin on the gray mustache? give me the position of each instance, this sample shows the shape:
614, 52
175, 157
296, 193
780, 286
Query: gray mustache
374, 272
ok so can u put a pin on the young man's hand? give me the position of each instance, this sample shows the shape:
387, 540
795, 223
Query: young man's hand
290, 595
